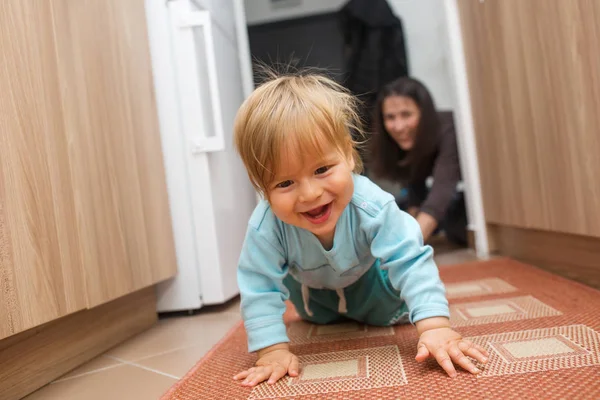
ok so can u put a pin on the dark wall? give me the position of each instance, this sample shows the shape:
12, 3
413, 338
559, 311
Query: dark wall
313, 41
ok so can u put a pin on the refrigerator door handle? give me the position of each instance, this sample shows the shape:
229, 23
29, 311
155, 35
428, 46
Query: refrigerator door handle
184, 22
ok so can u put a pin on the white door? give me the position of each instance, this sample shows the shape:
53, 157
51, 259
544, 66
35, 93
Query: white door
199, 89
233, 196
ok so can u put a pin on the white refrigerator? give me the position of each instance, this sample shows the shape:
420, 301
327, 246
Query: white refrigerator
202, 73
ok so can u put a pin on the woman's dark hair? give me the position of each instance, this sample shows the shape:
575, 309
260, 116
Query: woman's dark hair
386, 158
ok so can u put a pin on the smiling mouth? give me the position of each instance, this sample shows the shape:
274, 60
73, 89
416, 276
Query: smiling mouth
318, 215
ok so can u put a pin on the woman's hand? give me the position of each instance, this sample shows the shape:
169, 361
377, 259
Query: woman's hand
413, 211
273, 363
427, 224
448, 346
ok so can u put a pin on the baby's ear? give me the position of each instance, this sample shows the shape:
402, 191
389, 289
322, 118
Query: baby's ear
350, 154
351, 161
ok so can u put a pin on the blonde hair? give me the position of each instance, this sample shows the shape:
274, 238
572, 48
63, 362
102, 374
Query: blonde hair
305, 111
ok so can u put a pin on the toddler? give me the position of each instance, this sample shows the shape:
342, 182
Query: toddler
325, 237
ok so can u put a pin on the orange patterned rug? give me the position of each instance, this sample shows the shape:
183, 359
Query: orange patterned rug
541, 331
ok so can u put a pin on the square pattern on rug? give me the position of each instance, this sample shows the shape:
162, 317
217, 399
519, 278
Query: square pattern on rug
481, 287
342, 371
301, 332
501, 310
538, 350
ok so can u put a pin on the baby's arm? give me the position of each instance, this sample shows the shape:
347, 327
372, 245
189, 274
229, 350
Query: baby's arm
260, 278
398, 242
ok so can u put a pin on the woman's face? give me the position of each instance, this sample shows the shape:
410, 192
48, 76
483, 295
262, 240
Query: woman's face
401, 117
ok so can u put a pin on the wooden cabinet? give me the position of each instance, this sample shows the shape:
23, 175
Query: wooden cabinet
41, 274
111, 120
84, 214
533, 69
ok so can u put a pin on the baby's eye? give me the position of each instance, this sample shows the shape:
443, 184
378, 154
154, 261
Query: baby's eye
284, 184
321, 170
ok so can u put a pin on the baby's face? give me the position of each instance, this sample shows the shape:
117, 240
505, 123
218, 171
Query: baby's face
312, 192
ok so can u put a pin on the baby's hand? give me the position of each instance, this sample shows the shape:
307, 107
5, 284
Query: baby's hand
273, 363
446, 346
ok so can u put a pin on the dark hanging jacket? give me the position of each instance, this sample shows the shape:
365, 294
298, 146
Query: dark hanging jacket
375, 53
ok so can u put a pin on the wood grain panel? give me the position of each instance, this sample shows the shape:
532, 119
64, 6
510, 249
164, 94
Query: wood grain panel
572, 256
499, 204
38, 356
41, 275
111, 120
534, 77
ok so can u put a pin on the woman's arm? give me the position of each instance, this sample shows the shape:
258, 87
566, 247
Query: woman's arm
427, 223
417, 193
446, 175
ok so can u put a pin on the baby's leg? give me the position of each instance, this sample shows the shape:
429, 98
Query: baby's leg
374, 301
371, 300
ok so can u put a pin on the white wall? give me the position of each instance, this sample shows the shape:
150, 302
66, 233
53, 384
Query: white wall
425, 33
426, 36
261, 11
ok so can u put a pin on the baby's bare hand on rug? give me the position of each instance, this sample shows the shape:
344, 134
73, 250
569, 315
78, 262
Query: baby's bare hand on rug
448, 346
271, 365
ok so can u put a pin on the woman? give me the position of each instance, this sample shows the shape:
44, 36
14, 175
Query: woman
413, 142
